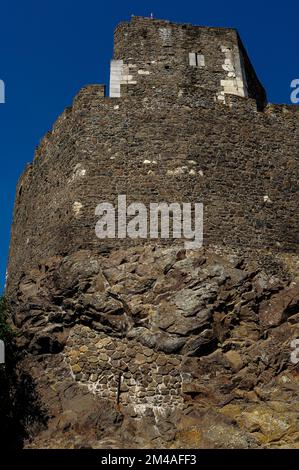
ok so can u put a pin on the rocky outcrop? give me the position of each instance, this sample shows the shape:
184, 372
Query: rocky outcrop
159, 347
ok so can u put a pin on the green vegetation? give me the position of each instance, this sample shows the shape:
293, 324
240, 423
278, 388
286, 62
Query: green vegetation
5, 330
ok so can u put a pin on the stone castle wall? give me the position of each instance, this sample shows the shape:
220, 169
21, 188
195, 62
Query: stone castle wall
159, 56
126, 372
178, 144
158, 346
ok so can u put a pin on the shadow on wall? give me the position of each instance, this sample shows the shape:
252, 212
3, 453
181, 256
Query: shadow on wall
20, 412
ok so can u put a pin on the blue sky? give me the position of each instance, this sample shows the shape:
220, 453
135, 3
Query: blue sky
49, 49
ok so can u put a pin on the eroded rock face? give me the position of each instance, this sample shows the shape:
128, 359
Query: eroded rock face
159, 347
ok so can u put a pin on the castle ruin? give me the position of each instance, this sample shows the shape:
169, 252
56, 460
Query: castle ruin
144, 327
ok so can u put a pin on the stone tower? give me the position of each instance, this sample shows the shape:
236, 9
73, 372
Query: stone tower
186, 121
141, 340
160, 57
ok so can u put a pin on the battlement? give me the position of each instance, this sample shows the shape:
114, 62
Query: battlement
153, 57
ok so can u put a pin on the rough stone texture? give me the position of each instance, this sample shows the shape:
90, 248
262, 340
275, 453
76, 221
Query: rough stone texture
138, 344
161, 347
